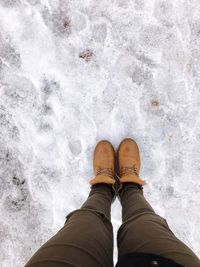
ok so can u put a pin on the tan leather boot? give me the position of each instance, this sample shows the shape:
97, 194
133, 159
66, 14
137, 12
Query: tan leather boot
129, 162
104, 164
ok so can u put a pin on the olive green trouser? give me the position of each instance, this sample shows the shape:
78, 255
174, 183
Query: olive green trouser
86, 240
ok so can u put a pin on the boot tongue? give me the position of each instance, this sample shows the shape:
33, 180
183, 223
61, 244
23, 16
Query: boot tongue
128, 170
105, 171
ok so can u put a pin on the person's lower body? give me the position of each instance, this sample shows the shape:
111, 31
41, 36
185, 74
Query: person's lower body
144, 231
86, 239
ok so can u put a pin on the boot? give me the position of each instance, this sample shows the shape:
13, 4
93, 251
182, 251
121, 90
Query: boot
129, 162
104, 164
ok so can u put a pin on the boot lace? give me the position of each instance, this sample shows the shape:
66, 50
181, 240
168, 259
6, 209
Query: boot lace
125, 170
107, 171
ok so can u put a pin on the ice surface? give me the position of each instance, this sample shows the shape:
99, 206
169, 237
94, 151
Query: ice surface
75, 72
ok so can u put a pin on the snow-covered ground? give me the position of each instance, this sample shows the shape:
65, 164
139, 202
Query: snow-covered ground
77, 71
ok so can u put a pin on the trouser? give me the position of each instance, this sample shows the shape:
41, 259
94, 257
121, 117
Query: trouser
86, 240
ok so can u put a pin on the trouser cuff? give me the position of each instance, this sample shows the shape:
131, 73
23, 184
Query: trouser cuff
105, 187
127, 185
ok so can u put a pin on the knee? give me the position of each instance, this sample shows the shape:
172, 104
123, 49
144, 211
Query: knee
90, 218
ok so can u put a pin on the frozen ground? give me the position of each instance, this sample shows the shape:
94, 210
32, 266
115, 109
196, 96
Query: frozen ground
74, 72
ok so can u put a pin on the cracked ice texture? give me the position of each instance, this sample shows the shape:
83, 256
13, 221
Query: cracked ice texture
75, 72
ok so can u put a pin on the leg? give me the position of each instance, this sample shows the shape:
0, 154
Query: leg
86, 238
146, 232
